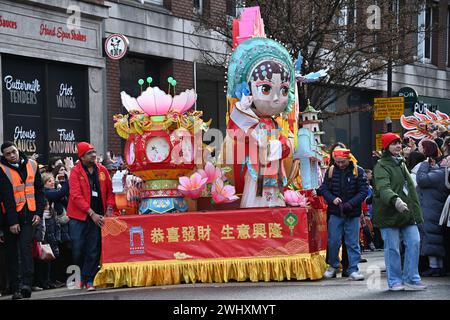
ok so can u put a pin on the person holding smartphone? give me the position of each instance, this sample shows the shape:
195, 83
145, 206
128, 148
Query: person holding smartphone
396, 211
60, 175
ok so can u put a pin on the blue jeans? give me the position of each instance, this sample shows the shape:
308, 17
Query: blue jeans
350, 228
411, 239
86, 247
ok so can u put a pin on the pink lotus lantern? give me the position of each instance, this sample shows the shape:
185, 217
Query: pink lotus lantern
223, 194
210, 172
193, 186
295, 198
155, 102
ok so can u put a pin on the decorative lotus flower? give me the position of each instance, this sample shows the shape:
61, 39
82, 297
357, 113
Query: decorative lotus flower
184, 101
295, 198
223, 194
130, 103
210, 172
193, 186
155, 102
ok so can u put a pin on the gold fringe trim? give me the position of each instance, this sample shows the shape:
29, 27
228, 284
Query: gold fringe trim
167, 272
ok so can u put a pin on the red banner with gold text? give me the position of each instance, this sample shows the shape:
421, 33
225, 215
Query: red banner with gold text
216, 234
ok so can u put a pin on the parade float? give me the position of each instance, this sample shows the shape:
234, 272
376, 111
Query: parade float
273, 230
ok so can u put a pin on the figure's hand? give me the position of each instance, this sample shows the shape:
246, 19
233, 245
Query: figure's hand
61, 177
432, 162
36, 220
68, 161
347, 207
246, 101
401, 206
98, 219
15, 229
337, 201
445, 162
109, 211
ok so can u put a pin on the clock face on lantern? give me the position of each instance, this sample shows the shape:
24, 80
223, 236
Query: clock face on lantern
131, 154
187, 148
157, 149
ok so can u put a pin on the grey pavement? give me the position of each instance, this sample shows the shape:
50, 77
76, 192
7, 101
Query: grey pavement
374, 287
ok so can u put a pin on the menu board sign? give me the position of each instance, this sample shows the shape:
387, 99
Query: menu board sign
67, 91
23, 86
26, 133
64, 135
45, 106
23, 104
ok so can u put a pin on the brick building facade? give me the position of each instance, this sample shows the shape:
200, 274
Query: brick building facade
59, 101
166, 38
428, 73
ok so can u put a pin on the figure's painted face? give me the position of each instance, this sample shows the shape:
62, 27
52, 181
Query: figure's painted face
269, 85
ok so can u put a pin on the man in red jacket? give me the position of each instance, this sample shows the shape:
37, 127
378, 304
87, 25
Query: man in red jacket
90, 198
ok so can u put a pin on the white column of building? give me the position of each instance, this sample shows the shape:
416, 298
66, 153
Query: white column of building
97, 109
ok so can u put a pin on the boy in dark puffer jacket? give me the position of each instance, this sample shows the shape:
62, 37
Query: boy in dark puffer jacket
344, 189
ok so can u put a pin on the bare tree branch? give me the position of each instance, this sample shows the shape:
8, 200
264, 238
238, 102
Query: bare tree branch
336, 34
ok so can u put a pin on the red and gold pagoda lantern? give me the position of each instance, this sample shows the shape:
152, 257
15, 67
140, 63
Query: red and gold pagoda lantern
160, 144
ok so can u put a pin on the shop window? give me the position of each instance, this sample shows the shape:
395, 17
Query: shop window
157, 2
347, 22
133, 68
425, 22
47, 113
211, 99
198, 7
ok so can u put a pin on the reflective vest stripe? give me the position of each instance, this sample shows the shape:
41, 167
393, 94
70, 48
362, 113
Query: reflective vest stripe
8, 173
33, 165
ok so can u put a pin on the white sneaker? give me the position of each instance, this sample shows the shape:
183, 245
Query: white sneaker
330, 273
356, 276
416, 286
397, 287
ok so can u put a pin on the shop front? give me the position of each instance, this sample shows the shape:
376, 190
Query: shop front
44, 106
51, 77
416, 102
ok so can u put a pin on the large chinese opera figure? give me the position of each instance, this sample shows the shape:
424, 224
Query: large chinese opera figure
260, 88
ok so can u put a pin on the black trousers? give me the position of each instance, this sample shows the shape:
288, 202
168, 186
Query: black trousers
4, 282
62, 262
19, 256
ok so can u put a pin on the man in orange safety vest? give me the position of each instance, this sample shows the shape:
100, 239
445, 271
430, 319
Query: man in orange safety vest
22, 191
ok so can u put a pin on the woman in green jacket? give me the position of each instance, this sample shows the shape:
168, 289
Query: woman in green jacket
396, 212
